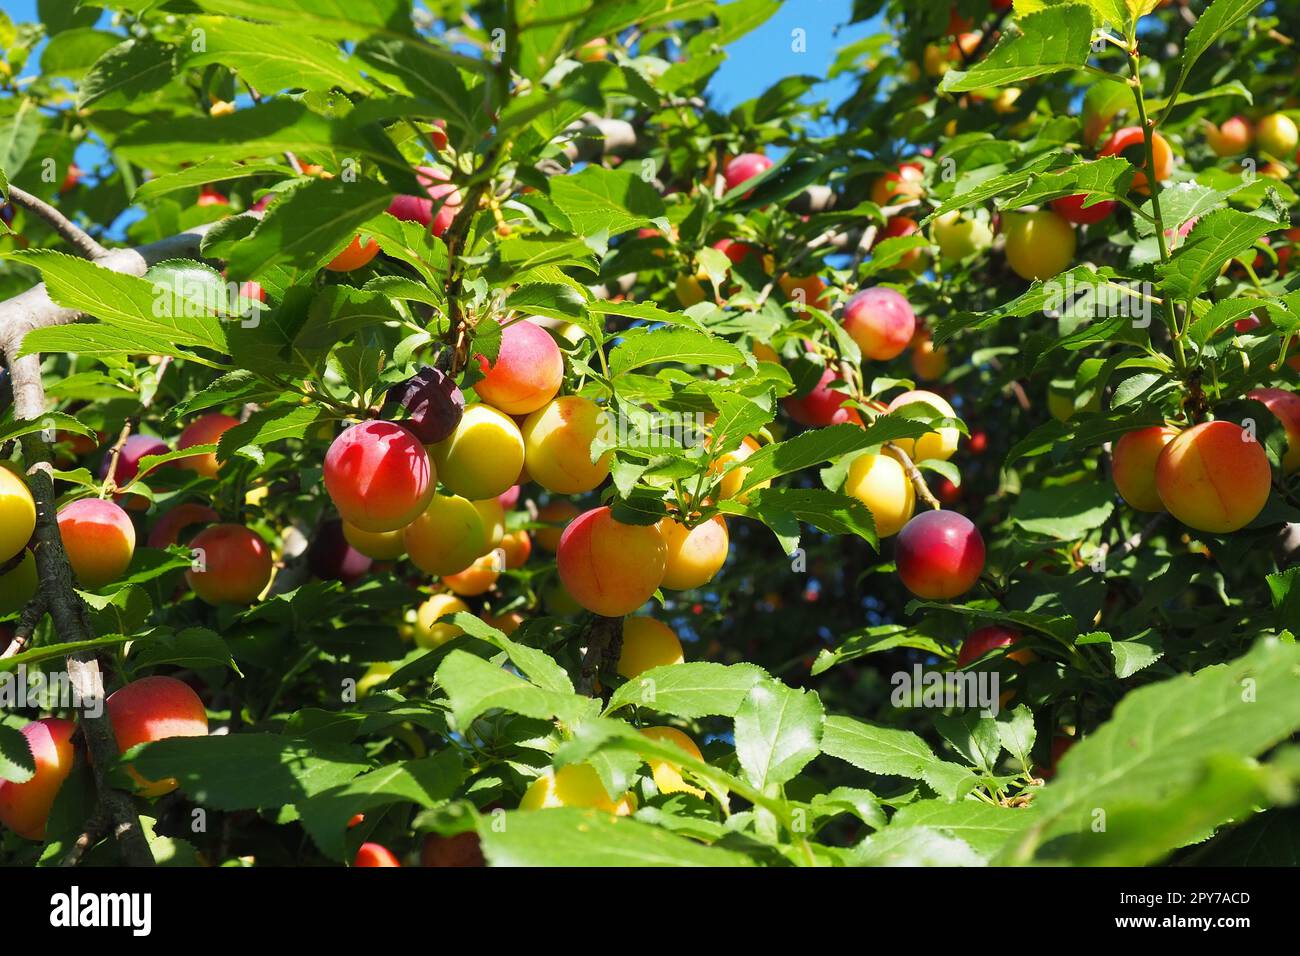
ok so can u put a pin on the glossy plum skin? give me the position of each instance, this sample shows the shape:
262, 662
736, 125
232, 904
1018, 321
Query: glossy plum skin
419, 209
980, 642
608, 567
647, 643
379, 476
744, 168
482, 458
447, 537
206, 430
1133, 465
557, 445
374, 854
694, 555
881, 322
99, 540
1213, 477
17, 515
880, 483
823, 405
134, 448
236, 565
155, 708
940, 555
527, 372
25, 807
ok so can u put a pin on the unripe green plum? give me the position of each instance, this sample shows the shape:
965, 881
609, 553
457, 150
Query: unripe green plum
484, 455
1133, 465
959, 237
694, 555
880, 483
647, 643
99, 540
18, 584
447, 537
1040, 245
25, 807
557, 443
1214, 477
608, 567
155, 708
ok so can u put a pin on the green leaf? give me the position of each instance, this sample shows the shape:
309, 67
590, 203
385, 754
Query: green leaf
1066, 512
883, 750
782, 508
1058, 38
1219, 17
245, 771
777, 732
271, 58
265, 427
915, 846
201, 174
1217, 238
338, 19
50, 420
475, 686
643, 346
16, 762
571, 837
125, 73
192, 647
984, 828
691, 690
600, 200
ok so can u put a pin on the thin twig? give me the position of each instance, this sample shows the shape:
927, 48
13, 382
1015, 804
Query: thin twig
914, 474
31, 616
83, 242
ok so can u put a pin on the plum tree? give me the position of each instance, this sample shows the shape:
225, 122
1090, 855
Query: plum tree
1040, 245
232, 564
1214, 477
881, 321
609, 567
880, 483
647, 642
99, 539
447, 537
575, 785
1133, 465
155, 708
526, 373
379, 476
431, 629
939, 444
483, 456
693, 555
17, 515
205, 430
940, 555
557, 445
25, 807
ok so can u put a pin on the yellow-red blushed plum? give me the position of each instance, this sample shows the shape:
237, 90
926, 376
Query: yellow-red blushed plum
483, 456
375, 854
1040, 245
133, 450
18, 583
733, 478
420, 208
980, 642
1133, 465
1214, 477
822, 405
516, 546
1130, 142
881, 321
232, 564
155, 708
99, 540
1232, 138
880, 483
17, 515
379, 476
575, 785
929, 362
1278, 136
744, 168
25, 807
167, 530
377, 545
906, 184
939, 555
354, 255
527, 372
1285, 406
608, 567
694, 555
506, 623
477, 579
206, 430
940, 444
647, 642
557, 514
557, 444
447, 537
431, 626
1075, 209
805, 290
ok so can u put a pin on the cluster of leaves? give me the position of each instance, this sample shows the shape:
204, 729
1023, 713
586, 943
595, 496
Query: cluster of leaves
1174, 664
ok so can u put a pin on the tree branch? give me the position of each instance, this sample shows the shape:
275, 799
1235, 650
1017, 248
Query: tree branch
604, 637
80, 240
915, 476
